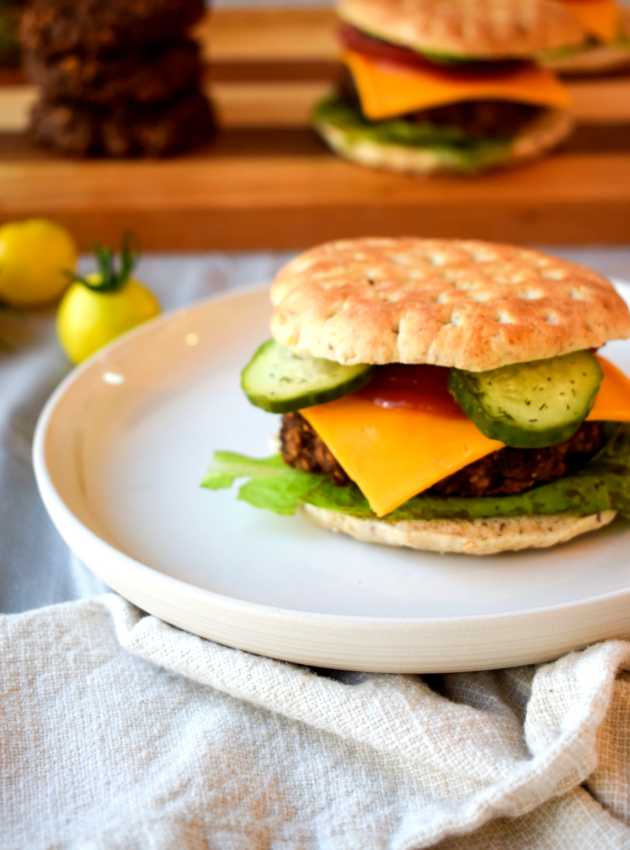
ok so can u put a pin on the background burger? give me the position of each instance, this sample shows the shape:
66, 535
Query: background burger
448, 85
442, 395
605, 44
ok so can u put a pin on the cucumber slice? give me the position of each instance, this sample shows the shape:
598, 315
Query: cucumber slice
530, 405
280, 381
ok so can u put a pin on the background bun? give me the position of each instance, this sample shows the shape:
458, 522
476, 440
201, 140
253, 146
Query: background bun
476, 29
539, 136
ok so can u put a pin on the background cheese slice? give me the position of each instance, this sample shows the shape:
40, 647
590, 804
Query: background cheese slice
599, 18
395, 454
386, 90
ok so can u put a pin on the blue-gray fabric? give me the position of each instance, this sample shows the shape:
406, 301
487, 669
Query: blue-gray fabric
36, 568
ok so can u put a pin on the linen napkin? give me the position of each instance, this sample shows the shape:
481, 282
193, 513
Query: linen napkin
118, 731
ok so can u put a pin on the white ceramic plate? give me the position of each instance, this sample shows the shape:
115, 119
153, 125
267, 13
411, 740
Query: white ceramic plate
119, 453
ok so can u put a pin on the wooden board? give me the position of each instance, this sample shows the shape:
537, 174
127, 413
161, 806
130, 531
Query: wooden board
268, 183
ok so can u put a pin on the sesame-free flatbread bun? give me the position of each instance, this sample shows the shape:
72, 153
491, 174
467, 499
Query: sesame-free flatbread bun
543, 133
471, 29
463, 536
458, 303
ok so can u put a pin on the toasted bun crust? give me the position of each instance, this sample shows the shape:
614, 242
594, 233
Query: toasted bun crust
542, 134
467, 537
492, 29
465, 304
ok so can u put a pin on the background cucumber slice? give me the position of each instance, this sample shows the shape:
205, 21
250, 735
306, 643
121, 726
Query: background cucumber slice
280, 381
530, 405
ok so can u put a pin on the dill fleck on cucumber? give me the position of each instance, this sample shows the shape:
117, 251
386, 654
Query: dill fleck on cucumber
280, 381
499, 402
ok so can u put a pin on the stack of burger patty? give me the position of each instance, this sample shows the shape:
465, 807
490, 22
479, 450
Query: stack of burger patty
448, 85
121, 78
10, 11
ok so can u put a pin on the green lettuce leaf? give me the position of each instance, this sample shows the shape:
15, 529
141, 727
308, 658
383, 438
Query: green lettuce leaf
604, 484
622, 40
271, 484
563, 52
470, 153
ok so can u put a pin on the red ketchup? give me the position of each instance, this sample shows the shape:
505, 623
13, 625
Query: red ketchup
391, 54
422, 388
353, 39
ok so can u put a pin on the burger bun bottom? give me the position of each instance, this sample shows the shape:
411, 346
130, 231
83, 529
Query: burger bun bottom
463, 536
541, 135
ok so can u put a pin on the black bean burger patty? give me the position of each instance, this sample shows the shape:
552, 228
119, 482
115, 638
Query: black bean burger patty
477, 118
505, 472
482, 118
137, 76
123, 130
94, 27
303, 449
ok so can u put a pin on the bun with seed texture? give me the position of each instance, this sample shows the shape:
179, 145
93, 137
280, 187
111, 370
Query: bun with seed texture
488, 30
463, 536
466, 304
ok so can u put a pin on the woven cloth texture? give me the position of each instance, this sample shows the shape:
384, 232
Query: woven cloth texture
119, 731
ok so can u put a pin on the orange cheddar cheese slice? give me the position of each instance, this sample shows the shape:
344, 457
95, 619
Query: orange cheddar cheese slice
387, 90
394, 454
599, 18
613, 399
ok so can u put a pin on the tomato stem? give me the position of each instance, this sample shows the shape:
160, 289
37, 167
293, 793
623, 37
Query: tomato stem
113, 271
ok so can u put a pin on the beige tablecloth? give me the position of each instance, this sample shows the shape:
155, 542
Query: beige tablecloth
118, 731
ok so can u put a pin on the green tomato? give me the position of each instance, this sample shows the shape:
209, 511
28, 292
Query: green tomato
88, 319
36, 256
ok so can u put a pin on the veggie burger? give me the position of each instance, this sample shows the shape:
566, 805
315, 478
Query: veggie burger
448, 85
440, 394
605, 44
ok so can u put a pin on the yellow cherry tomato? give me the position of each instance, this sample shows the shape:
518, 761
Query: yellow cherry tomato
36, 256
88, 319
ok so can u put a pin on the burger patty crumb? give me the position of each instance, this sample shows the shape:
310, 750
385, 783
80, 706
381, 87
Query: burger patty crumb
504, 472
302, 448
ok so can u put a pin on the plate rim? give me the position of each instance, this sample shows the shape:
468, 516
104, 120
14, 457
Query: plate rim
62, 515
